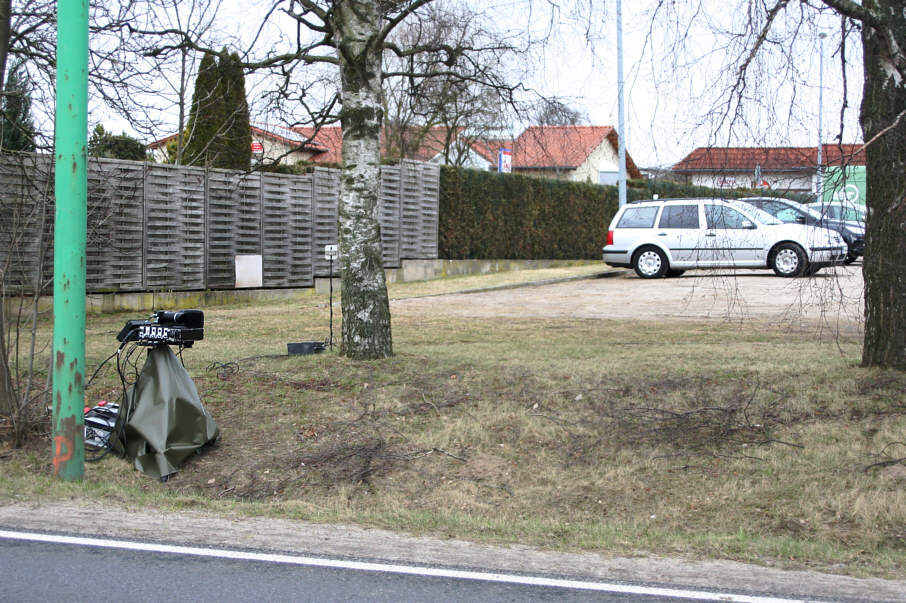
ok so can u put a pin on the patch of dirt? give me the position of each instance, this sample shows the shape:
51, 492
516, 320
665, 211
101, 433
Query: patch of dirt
486, 467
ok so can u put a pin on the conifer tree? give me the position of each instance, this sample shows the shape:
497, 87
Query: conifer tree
218, 133
17, 130
112, 146
238, 136
205, 116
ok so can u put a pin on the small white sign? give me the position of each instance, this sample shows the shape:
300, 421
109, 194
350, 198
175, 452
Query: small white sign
249, 271
330, 252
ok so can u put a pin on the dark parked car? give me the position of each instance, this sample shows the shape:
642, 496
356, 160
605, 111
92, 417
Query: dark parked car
791, 211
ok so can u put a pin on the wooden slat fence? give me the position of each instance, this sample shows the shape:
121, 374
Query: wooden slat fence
159, 227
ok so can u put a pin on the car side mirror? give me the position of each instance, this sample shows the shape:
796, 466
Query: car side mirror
748, 225
800, 219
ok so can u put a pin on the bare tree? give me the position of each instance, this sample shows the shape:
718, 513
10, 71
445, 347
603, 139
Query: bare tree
555, 112
169, 23
449, 112
773, 38
26, 215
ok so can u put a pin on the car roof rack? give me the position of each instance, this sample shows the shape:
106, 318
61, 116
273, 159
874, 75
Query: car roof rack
678, 199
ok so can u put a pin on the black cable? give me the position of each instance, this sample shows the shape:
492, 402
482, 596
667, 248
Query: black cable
98, 369
105, 450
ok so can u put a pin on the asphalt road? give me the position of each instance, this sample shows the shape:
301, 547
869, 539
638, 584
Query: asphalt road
35, 571
337, 547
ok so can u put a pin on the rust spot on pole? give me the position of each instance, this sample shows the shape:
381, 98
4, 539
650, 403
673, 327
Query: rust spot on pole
62, 452
64, 443
60, 359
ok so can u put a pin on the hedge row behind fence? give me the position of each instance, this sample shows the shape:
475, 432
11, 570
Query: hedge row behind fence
486, 215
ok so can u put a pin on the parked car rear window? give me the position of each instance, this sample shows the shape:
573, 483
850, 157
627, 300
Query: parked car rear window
638, 217
679, 216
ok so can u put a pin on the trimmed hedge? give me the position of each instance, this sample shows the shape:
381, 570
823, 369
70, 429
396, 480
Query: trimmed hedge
487, 215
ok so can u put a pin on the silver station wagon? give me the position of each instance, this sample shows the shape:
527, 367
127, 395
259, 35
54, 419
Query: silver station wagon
668, 236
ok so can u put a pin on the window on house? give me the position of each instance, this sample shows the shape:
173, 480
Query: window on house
609, 178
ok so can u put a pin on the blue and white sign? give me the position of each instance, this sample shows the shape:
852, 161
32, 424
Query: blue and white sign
505, 161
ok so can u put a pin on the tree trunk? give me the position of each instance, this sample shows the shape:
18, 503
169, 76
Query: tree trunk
365, 305
884, 116
5, 19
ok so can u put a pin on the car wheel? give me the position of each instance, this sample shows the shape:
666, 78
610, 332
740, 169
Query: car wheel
650, 262
673, 273
788, 259
850, 258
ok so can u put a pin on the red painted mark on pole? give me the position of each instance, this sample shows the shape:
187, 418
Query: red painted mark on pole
62, 452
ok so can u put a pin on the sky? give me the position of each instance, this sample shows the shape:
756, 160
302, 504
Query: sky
675, 86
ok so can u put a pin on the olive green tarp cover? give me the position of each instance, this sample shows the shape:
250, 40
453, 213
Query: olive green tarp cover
165, 421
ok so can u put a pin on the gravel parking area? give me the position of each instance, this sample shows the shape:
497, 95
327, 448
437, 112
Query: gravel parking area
833, 297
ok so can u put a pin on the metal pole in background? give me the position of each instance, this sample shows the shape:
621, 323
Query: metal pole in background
621, 125
70, 156
820, 186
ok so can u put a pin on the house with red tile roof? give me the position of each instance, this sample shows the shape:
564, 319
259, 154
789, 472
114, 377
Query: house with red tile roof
274, 143
792, 169
578, 153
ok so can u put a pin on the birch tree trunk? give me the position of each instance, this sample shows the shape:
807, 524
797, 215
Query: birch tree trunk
883, 120
365, 305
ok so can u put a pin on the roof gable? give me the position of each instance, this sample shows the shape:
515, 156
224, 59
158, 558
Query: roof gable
326, 143
565, 147
557, 146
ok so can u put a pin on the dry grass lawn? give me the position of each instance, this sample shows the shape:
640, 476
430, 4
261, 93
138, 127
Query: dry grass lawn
701, 439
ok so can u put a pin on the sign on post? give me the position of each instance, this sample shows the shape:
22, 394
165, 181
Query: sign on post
505, 161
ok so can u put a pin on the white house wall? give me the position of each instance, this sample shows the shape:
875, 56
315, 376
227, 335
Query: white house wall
780, 182
603, 159
274, 149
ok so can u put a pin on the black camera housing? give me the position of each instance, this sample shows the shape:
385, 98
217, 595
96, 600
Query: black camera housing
180, 327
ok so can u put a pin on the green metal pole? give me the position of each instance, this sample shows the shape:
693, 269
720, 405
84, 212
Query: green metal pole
69, 240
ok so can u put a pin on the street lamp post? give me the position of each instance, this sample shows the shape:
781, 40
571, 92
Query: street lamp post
819, 188
621, 137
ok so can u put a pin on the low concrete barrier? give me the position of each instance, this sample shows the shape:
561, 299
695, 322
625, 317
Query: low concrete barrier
409, 271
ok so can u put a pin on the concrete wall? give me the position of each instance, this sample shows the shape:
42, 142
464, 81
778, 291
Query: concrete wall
411, 270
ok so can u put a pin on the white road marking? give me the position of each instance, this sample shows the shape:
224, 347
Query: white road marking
389, 568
